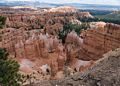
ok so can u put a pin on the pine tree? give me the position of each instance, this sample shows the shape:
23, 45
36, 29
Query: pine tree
9, 75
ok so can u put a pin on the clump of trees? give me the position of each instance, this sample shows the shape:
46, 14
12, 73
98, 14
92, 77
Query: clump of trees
67, 28
9, 75
89, 19
101, 18
110, 20
2, 21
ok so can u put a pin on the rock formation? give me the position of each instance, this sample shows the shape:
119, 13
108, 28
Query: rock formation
36, 47
43, 48
33, 38
50, 21
72, 45
98, 41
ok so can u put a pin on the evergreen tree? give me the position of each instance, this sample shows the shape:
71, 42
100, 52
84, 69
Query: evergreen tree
9, 75
2, 21
67, 28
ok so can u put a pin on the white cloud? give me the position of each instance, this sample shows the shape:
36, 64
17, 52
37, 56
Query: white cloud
19, 0
112, 2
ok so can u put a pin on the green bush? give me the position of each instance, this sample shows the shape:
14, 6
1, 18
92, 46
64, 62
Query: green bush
2, 21
67, 28
9, 75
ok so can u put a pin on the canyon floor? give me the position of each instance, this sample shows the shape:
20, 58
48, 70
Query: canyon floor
105, 72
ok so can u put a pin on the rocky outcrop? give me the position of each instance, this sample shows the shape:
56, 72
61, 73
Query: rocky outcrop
105, 72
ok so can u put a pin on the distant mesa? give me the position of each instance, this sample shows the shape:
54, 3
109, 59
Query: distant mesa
63, 9
24, 7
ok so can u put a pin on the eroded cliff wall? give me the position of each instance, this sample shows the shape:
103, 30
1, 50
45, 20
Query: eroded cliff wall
98, 41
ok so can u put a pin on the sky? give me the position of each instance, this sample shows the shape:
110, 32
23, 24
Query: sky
108, 2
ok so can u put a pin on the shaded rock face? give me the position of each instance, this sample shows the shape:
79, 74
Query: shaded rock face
105, 72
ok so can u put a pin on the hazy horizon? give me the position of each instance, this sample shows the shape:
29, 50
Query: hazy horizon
103, 2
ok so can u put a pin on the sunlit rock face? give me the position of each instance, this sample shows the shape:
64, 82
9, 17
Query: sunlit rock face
26, 66
84, 15
88, 15
99, 25
75, 21
81, 65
